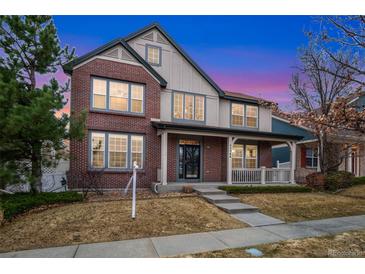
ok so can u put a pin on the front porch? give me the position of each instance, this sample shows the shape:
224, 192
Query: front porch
215, 156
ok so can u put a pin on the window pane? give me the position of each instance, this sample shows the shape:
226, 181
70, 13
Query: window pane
251, 163
237, 150
153, 55
199, 108
252, 111
118, 93
189, 107
237, 162
99, 86
237, 109
137, 150
251, 122
137, 98
308, 152
178, 105
98, 144
99, 101
251, 151
308, 162
237, 114
118, 150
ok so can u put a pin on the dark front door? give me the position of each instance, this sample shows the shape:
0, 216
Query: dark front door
189, 161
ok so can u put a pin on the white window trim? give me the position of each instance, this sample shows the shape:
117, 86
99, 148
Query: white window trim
256, 117
257, 155
244, 158
243, 115
312, 157
126, 162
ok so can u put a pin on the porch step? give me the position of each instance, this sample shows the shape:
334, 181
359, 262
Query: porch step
220, 199
257, 219
237, 208
209, 191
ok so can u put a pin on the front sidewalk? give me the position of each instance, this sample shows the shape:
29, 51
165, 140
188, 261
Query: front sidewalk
197, 242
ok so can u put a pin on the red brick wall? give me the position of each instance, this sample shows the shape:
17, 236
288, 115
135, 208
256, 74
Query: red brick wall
213, 159
80, 99
171, 157
265, 154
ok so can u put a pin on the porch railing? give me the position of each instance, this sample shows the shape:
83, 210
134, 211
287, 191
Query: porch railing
261, 175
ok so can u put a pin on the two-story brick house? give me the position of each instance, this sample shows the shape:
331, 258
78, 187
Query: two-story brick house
149, 102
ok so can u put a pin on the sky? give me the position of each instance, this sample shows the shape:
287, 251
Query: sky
249, 54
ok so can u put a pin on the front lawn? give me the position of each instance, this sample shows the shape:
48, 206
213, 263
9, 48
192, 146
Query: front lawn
110, 221
292, 207
348, 244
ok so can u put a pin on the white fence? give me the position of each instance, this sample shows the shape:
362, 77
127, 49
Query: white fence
261, 175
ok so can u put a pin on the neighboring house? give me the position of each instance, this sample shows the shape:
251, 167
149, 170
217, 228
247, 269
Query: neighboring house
307, 157
149, 102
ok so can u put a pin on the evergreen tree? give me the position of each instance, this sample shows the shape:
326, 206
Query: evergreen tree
32, 135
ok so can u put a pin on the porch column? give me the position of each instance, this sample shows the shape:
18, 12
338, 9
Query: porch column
293, 157
164, 158
349, 159
229, 160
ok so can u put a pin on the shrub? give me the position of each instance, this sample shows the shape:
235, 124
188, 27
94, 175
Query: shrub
264, 189
338, 179
358, 181
21, 202
315, 180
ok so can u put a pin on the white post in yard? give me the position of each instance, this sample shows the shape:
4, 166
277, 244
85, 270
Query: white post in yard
263, 175
135, 166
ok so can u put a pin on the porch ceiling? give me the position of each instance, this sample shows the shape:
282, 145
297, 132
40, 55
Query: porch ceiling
219, 131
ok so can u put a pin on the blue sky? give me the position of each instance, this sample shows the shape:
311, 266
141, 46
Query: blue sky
249, 54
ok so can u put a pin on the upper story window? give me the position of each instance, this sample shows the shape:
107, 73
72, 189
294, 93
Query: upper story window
311, 157
244, 115
188, 107
111, 95
153, 55
116, 151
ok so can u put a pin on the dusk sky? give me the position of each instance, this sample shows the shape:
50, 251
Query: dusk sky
248, 54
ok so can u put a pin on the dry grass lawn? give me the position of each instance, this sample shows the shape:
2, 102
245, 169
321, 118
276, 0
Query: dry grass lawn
293, 207
355, 191
348, 244
110, 221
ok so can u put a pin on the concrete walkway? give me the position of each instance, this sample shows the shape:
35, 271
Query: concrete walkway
245, 213
198, 242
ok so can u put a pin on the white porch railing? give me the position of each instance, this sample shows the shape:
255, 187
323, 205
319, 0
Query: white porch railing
261, 175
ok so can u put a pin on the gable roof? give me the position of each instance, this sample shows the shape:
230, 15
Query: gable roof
68, 67
179, 49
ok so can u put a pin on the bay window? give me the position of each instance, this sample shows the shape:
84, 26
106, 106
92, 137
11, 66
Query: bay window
188, 107
116, 150
117, 96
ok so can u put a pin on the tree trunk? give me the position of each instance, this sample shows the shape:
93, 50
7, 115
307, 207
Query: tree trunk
36, 180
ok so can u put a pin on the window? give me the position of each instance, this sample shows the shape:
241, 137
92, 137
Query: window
251, 156
238, 111
122, 96
244, 115
98, 145
311, 157
188, 107
99, 93
118, 96
178, 105
244, 156
116, 151
137, 150
251, 116
137, 98
237, 156
153, 55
